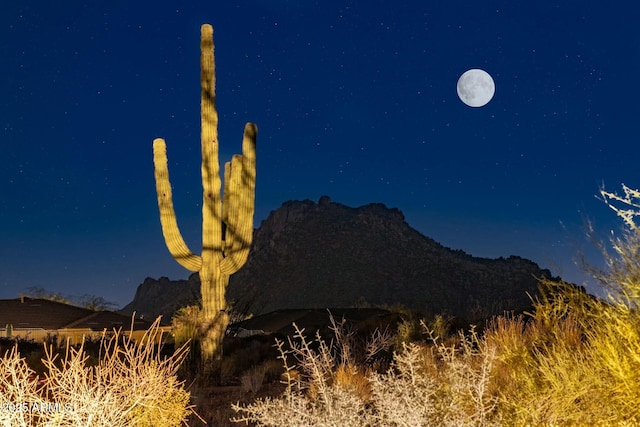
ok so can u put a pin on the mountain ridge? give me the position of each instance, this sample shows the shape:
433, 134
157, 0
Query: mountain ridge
326, 254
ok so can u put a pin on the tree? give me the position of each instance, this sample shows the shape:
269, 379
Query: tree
96, 303
89, 301
42, 293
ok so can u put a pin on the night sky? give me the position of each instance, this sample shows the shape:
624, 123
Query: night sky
353, 99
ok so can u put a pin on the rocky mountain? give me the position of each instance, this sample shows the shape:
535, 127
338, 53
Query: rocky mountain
326, 254
163, 297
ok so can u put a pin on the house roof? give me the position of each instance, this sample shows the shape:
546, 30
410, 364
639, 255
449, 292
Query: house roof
51, 315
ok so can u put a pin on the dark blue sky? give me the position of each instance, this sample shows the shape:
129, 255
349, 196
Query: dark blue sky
355, 99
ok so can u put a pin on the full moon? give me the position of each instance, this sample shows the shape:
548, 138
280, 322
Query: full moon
476, 87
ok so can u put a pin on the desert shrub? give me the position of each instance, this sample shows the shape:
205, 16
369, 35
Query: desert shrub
456, 393
577, 361
131, 385
582, 370
413, 328
544, 375
433, 384
409, 330
438, 384
615, 351
311, 397
18, 387
615, 342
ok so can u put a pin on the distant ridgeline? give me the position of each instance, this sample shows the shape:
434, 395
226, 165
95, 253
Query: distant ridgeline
325, 254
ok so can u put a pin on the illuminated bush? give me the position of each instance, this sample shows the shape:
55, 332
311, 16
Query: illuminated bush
130, 385
426, 385
577, 361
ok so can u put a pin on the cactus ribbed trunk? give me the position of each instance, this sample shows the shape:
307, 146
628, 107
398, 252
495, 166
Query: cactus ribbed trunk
214, 315
222, 255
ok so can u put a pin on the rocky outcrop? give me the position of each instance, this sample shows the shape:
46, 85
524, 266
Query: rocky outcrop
326, 254
163, 297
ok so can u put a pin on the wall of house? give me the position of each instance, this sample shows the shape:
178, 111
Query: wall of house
76, 336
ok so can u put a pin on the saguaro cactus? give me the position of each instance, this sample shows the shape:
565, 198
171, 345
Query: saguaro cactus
227, 220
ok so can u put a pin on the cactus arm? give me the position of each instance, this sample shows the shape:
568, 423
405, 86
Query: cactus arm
230, 194
172, 237
230, 212
241, 203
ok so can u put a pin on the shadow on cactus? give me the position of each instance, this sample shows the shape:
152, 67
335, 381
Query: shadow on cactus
227, 218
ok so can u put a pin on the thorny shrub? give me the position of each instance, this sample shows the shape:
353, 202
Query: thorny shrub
131, 385
426, 385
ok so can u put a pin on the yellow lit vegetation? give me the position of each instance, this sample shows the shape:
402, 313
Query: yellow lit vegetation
574, 361
130, 385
